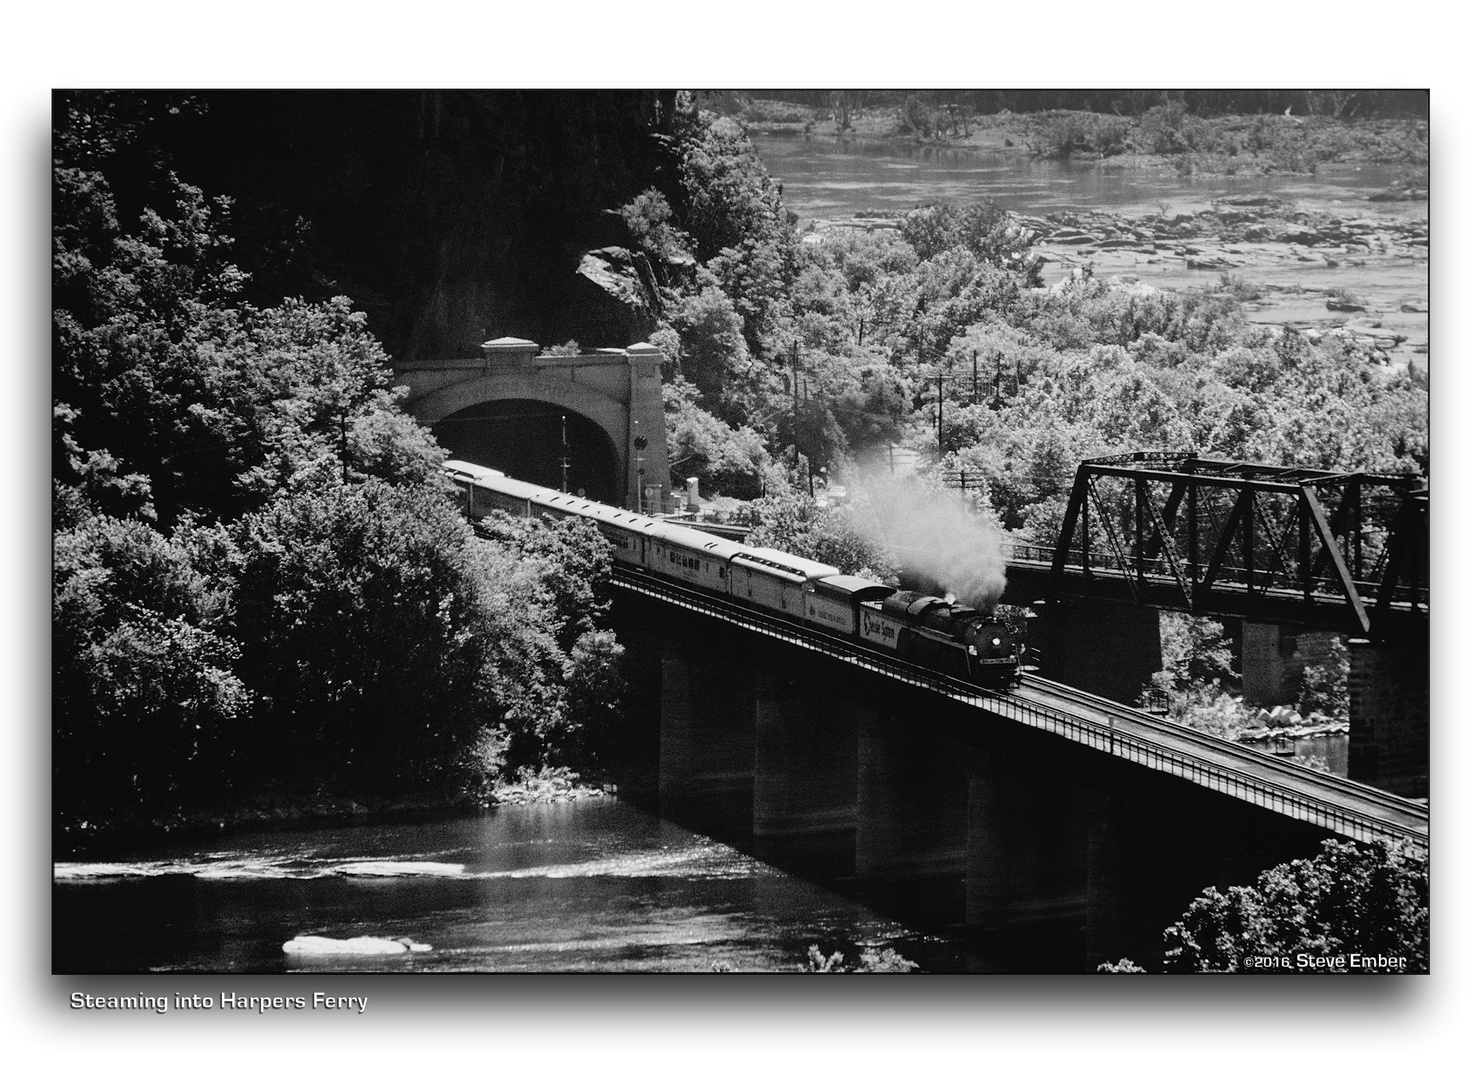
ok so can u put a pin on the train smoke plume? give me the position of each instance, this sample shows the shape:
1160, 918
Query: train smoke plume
933, 535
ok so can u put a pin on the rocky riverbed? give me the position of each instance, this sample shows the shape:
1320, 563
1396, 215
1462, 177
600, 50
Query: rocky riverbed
1290, 263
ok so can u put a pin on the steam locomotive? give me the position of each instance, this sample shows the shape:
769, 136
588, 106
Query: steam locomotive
929, 630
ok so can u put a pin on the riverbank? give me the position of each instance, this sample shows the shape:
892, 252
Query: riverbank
1164, 136
125, 828
1290, 266
290, 812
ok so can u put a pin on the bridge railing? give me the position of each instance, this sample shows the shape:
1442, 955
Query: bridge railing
1122, 742
1116, 735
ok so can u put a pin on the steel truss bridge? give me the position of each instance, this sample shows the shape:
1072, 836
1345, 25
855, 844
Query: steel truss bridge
1344, 807
1340, 551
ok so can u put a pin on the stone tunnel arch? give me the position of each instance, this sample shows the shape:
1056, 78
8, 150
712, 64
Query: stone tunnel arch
527, 439
610, 400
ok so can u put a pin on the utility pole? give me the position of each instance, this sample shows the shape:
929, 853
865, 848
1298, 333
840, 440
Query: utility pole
940, 421
810, 476
564, 461
795, 402
997, 403
975, 366
640, 442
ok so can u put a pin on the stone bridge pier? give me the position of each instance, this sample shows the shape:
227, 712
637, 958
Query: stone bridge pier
1390, 688
706, 770
805, 770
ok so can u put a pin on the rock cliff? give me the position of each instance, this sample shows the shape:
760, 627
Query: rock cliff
451, 217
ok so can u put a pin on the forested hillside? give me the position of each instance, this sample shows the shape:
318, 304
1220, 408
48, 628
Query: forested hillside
263, 594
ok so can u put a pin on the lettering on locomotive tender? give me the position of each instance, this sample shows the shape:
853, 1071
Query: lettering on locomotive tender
872, 626
826, 615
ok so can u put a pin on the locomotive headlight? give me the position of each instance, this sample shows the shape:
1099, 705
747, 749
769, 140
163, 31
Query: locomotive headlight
995, 641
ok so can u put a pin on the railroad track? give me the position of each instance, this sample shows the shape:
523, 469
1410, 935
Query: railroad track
1342, 806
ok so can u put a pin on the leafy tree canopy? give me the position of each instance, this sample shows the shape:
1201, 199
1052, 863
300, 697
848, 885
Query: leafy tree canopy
1369, 900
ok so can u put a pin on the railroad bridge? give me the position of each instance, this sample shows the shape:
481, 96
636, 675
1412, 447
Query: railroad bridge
1056, 829
1064, 828
1290, 558
591, 422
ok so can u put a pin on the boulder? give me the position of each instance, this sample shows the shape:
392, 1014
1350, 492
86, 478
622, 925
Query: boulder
1064, 236
1283, 716
1301, 236
1251, 200
620, 296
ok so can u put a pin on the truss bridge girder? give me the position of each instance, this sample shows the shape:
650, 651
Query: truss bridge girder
1345, 551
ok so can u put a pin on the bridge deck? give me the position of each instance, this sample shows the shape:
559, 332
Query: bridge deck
1342, 806
1266, 601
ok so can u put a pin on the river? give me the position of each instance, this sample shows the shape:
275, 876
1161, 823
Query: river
588, 885
830, 178
827, 179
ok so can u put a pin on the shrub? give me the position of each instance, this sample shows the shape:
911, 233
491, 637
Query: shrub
1352, 898
872, 962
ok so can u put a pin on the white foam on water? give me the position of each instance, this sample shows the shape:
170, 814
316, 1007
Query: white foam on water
687, 862
84, 872
313, 945
279, 867
394, 868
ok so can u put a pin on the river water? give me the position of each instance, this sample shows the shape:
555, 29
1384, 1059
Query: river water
590, 885
832, 178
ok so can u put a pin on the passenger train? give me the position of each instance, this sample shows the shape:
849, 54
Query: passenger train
938, 633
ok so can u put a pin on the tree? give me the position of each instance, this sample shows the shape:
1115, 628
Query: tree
1370, 900
792, 521
649, 218
169, 399
726, 460
982, 228
382, 638
1195, 650
146, 702
128, 295
713, 344
729, 194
